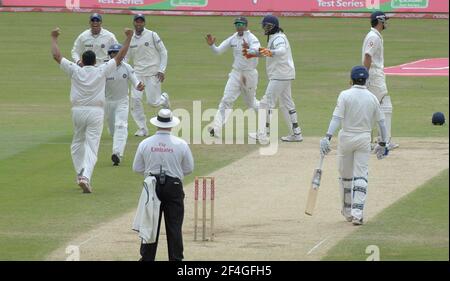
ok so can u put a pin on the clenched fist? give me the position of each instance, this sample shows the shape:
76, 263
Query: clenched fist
128, 32
210, 39
56, 32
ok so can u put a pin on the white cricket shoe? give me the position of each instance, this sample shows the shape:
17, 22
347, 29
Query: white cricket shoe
141, 133
166, 103
85, 185
262, 138
392, 145
357, 221
293, 138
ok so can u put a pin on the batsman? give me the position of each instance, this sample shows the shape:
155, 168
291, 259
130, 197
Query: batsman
356, 111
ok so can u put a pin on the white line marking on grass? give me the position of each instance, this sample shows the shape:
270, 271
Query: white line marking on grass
316, 246
84, 242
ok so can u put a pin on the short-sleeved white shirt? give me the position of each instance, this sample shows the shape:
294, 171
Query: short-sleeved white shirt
373, 45
166, 150
117, 82
240, 63
88, 82
359, 109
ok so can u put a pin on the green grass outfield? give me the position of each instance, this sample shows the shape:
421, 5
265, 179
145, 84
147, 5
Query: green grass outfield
414, 228
41, 208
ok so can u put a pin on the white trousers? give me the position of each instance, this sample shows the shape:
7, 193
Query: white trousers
353, 154
277, 89
87, 126
152, 94
244, 82
377, 86
116, 113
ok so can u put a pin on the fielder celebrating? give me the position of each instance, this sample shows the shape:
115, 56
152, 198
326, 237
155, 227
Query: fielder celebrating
96, 39
116, 109
149, 57
87, 95
357, 110
243, 77
280, 71
373, 60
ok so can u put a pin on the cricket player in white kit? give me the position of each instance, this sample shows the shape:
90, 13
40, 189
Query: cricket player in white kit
373, 60
117, 103
243, 77
87, 95
149, 58
96, 39
356, 112
280, 71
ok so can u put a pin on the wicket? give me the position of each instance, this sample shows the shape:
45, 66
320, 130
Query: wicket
212, 191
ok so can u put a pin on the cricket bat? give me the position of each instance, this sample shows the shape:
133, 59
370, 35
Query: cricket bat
314, 190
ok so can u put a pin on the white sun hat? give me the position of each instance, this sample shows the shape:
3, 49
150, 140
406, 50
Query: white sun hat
165, 119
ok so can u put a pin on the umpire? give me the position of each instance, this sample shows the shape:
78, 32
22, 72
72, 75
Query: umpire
169, 159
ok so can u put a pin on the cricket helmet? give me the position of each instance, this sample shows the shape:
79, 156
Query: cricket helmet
377, 16
438, 118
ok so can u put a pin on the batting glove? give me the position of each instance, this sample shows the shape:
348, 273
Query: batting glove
325, 146
381, 150
265, 52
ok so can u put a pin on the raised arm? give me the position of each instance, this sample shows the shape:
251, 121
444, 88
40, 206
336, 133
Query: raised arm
55, 48
126, 44
225, 45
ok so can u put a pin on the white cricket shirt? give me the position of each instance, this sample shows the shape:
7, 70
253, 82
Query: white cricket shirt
117, 82
99, 43
172, 152
235, 42
148, 53
359, 109
281, 65
88, 82
373, 45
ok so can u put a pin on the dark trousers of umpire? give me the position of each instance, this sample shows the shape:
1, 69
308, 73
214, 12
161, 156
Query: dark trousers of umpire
171, 195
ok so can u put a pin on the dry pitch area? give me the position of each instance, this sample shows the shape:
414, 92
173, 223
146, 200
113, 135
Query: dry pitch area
260, 202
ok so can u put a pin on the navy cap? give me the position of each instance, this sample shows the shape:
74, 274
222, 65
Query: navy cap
114, 48
96, 16
359, 72
139, 16
378, 15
